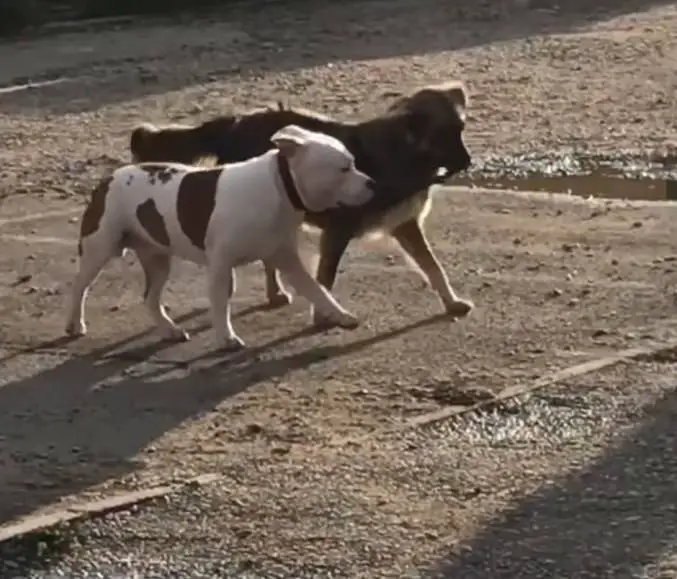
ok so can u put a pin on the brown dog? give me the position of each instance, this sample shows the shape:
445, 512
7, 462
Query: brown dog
402, 149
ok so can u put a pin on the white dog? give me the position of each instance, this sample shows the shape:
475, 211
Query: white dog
221, 217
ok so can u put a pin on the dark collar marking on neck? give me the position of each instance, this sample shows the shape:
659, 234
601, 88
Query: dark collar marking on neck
288, 183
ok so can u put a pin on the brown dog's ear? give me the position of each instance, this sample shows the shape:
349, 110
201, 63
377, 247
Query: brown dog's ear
456, 92
435, 99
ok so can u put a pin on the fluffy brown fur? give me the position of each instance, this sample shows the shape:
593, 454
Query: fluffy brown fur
402, 149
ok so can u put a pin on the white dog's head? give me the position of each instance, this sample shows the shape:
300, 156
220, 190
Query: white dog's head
323, 169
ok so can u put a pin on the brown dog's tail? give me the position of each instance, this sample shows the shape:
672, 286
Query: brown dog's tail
180, 143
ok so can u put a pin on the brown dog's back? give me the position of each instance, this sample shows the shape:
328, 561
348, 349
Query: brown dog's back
229, 139
178, 143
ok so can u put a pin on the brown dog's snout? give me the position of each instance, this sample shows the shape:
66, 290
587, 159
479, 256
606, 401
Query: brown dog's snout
467, 160
460, 159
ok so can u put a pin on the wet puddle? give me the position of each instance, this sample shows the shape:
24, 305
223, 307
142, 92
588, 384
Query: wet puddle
582, 185
621, 177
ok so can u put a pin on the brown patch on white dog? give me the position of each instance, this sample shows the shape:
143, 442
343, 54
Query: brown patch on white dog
195, 202
151, 220
94, 210
162, 173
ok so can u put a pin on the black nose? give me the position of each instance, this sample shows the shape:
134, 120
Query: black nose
371, 184
463, 161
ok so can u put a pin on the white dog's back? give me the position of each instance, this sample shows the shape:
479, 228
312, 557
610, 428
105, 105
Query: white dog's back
171, 205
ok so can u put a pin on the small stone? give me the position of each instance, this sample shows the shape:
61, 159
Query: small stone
280, 450
253, 429
536, 350
555, 293
600, 332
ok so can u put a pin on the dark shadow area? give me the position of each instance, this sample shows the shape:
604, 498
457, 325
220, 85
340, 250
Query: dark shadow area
609, 519
278, 35
83, 422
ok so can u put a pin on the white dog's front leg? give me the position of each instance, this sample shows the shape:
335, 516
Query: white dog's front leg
290, 265
221, 283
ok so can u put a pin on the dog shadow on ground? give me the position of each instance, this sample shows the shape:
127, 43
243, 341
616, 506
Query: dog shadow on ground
613, 518
83, 422
287, 35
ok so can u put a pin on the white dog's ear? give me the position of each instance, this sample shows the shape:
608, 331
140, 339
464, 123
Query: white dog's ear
290, 139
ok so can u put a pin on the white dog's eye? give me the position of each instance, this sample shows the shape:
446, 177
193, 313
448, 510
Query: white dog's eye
346, 169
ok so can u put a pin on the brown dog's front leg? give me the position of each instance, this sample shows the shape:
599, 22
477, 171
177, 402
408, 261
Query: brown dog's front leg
412, 240
275, 292
333, 244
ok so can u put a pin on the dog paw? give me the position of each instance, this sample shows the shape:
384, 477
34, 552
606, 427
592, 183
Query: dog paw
346, 321
231, 344
175, 334
279, 300
76, 329
459, 308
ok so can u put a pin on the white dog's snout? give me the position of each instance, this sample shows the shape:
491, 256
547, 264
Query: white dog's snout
367, 191
361, 193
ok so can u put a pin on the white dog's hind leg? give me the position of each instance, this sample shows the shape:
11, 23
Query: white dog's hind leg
291, 266
221, 282
156, 267
97, 249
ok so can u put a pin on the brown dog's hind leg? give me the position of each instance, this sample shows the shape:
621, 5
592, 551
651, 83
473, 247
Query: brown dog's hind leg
275, 292
412, 240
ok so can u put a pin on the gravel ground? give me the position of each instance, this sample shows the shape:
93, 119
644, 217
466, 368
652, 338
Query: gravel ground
595, 499
575, 481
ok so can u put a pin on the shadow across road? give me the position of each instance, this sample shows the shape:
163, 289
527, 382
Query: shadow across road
84, 421
613, 518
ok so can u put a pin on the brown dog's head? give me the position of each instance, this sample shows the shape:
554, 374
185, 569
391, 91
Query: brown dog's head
435, 117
